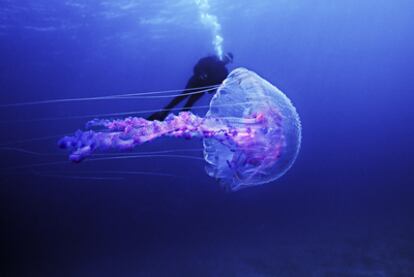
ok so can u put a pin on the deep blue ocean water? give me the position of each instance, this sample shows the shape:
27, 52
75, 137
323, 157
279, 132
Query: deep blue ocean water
344, 209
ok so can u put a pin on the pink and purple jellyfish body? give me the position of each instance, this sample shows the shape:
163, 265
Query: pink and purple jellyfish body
251, 133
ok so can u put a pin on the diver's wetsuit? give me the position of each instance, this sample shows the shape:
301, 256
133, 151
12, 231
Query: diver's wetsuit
209, 71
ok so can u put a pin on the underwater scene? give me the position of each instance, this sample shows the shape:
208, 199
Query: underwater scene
207, 138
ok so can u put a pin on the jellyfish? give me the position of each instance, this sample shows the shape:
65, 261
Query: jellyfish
251, 133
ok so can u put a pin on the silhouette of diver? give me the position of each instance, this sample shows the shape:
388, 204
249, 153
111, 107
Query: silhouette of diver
209, 71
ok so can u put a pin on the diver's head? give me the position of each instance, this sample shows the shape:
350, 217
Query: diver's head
228, 58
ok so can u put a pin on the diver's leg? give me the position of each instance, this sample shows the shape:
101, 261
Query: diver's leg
177, 100
191, 101
161, 115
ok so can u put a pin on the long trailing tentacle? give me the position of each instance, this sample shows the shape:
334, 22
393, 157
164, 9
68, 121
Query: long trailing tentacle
100, 175
138, 156
126, 96
120, 113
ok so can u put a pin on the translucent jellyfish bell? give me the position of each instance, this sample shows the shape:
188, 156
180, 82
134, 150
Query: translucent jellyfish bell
268, 153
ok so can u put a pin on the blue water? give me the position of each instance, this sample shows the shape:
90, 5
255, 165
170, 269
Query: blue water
344, 209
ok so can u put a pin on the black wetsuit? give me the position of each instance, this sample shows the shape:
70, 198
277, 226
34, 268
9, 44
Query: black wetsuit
209, 71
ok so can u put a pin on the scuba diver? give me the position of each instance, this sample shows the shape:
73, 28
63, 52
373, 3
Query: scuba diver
209, 71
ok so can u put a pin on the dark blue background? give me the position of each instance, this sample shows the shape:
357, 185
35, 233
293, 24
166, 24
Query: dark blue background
344, 208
